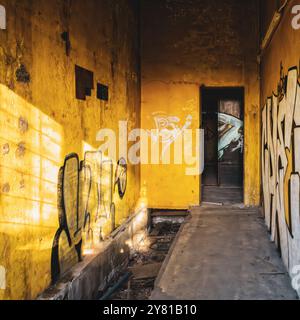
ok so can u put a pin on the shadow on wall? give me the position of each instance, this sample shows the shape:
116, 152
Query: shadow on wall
281, 167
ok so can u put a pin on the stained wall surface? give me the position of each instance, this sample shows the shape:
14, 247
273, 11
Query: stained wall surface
280, 91
55, 208
187, 44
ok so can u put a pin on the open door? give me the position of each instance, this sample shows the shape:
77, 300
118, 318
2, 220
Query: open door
230, 144
223, 123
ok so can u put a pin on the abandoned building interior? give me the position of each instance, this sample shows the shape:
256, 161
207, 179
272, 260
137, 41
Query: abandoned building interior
71, 215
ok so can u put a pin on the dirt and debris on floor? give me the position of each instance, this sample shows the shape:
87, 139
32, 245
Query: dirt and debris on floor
137, 282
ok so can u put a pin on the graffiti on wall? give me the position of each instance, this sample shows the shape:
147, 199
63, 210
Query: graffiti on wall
230, 134
168, 128
121, 177
85, 203
68, 234
281, 166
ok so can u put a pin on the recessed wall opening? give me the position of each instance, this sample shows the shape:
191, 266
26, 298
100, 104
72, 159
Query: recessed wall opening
223, 124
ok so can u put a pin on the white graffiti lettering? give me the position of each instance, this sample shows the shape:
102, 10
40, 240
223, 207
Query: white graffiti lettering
281, 167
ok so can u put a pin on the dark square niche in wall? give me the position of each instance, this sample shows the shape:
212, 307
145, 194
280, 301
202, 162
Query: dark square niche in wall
102, 92
84, 82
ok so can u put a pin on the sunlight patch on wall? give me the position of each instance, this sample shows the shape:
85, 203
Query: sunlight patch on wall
30, 157
29, 161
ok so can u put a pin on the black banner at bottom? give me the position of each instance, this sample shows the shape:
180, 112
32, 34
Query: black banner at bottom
144, 309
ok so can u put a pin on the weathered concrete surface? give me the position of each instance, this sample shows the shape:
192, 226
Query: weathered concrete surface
93, 274
224, 253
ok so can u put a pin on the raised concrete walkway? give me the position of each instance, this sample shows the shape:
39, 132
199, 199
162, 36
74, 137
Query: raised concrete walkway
223, 253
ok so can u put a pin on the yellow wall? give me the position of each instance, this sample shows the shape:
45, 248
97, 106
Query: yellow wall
168, 186
284, 49
181, 51
280, 93
42, 122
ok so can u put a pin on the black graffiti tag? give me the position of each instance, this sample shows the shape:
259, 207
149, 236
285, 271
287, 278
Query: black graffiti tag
121, 177
85, 195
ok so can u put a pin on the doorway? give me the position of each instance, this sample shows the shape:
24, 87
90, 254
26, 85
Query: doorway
223, 124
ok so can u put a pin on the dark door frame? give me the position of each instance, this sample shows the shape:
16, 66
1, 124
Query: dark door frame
240, 92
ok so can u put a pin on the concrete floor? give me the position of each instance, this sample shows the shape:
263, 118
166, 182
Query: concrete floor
224, 253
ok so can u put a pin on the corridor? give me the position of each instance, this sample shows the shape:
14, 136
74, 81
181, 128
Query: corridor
223, 253
117, 117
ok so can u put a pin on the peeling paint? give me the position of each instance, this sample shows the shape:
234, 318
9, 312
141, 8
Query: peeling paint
6, 188
22, 74
21, 149
5, 149
23, 125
